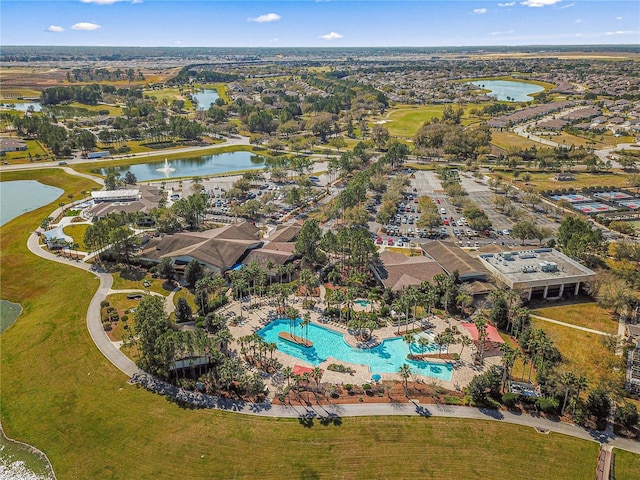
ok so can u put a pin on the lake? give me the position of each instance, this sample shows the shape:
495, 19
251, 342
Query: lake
9, 313
24, 106
205, 98
201, 166
18, 462
507, 90
22, 196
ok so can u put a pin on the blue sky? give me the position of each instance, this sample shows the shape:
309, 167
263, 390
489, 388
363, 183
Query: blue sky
317, 23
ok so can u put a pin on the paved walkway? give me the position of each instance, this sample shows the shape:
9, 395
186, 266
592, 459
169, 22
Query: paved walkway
570, 325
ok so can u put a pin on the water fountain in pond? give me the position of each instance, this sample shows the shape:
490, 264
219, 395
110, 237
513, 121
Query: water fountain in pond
167, 168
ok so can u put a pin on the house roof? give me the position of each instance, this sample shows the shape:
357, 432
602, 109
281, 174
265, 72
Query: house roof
397, 270
278, 252
220, 247
452, 258
285, 233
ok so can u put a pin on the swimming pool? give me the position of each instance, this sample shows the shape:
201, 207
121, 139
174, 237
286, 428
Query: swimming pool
385, 358
362, 302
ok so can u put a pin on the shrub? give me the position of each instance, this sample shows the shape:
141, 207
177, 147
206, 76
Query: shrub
106, 326
104, 304
598, 404
451, 400
366, 386
548, 405
627, 414
509, 399
125, 318
348, 387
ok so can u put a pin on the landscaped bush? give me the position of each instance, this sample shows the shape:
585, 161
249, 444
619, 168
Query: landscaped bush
336, 367
104, 304
451, 400
106, 326
548, 405
348, 387
125, 318
366, 386
509, 399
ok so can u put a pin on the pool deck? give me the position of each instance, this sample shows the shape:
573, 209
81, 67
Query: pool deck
255, 319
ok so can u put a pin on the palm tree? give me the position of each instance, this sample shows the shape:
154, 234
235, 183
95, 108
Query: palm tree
270, 266
287, 373
405, 372
581, 383
465, 342
424, 343
509, 357
306, 320
408, 339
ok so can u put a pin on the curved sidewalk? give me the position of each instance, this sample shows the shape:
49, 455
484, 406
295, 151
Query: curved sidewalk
129, 368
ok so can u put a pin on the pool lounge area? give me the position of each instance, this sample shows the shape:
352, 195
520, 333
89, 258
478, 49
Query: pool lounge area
387, 357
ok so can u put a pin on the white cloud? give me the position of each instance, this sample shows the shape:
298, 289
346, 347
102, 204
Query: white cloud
55, 28
508, 4
618, 18
578, 20
539, 3
274, 40
87, 26
507, 32
269, 17
480, 11
622, 32
331, 36
568, 5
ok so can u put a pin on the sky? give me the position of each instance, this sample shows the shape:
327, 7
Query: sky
318, 23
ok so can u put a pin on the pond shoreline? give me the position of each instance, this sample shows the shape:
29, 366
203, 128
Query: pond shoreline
33, 450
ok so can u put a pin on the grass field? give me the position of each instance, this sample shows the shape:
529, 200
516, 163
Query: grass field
185, 293
545, 181
132, 279
92, 424
583, 352
77, 233
507, 140
587, 314
405, 120
627, 465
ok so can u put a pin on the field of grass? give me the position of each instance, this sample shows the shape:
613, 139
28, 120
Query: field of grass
507, 140
587, 314
77, 233
583, 352
120, 302
406, 120
185, 293
627, 465
92, 424
132, 279
545, 181
113, 110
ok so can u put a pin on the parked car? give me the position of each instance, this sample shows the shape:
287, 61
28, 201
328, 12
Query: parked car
379, 241
390, 241
438, 201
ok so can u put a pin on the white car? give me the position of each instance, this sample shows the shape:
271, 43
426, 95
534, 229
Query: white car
443, 211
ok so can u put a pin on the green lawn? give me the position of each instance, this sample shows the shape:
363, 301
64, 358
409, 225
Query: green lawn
507, 140
545, 180
132, 279
627, 465
77, 233
582, 352
587, 314
61, 395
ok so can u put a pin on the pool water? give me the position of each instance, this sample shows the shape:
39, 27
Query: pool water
387, 357
363, 303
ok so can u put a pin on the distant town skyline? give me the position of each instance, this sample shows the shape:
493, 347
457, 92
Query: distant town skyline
318, 23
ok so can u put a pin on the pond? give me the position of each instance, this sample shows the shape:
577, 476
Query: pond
19, 462
9, 313
205, 98
24, 106
22, 196
507, 90
201, 166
